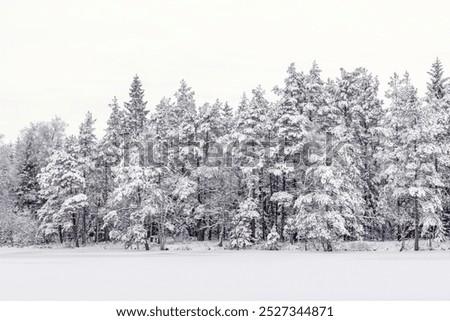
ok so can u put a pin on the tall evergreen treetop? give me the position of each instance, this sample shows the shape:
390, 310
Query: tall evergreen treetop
243, 104
114, 123
185, 101
185, 112
437, 85
293, 92
87, 137
227, 117
135, 109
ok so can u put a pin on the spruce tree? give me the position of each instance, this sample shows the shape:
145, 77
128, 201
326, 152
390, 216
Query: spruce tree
291, 129
88, 157
109, 156
250, 137
33, 148
227, 115
438, 83
135, 110
412, 183
62, 191
330, 204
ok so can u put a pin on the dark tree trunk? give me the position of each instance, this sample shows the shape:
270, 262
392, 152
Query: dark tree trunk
416, 225
162, 238
253, 227
96, 229
83, 228
75, 229
283, 211
106, 234
61, 239
221, 235
200, 230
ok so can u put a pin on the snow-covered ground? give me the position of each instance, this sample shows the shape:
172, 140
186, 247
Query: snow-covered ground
116, 274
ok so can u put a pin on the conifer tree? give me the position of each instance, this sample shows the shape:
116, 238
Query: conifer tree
243, 104
209, 131
32, 151
409, 151
330, 203
438, 83
313, 91
186, 120
227, 116
136, 200
88, 156
250, 135
291, 129
109, 156
135, 110
438, 99
62, 191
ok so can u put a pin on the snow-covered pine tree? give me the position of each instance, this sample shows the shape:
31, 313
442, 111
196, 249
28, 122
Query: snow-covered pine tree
365, 113
109, 156
33, 148
437, 86
136, 200
16, 228
209, 130
243, 104
220, 197
410, 148
438, 99
330, 203
115, 124
313, 91
186, 120
135, 119
29, 167
291, 129
88, 149
163, 119
7, 180
328, 209
227, 115
62, 185
250, 135
175, 125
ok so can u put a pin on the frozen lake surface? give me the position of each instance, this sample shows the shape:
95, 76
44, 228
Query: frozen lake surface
97, 274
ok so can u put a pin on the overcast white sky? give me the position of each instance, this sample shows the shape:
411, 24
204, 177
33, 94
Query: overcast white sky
67, 57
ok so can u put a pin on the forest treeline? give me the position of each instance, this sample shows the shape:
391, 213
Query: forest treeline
327, 161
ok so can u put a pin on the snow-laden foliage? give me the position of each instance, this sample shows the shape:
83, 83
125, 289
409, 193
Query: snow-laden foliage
410, 155
320, 163
62, 193
241, 237
272, 239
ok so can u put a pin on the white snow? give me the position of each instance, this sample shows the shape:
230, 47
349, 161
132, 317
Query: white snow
115, 274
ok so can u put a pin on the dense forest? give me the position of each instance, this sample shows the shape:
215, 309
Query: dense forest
327, 161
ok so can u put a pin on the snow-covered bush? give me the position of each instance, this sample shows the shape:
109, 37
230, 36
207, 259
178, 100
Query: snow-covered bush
17, 229
240, 236
290, 229
272, 239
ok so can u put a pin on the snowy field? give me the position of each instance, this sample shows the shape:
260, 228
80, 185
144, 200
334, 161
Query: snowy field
116, 274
